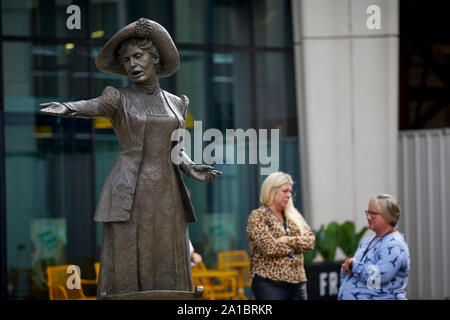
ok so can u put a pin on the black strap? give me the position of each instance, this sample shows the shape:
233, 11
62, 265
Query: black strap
367, 249
286, 229
285, 224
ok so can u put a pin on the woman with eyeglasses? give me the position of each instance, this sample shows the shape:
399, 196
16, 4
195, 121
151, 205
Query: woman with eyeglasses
278, 237
380, 267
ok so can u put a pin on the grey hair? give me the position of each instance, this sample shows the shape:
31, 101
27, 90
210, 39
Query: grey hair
144, 44
390, 208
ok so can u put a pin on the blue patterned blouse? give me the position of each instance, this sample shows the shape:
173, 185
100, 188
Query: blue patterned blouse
380, 271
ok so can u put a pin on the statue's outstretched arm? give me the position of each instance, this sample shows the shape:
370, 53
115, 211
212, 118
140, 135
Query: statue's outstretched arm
103, 106
55, 109
74, 109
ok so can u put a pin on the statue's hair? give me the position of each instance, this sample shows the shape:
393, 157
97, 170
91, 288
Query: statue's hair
144, 44
390, 208
270, 186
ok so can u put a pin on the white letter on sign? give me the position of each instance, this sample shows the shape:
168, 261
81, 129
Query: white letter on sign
323, 283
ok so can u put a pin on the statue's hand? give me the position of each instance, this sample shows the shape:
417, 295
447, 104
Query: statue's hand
54, 109
202, 173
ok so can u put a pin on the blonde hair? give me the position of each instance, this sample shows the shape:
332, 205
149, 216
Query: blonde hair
270, 186
390, 208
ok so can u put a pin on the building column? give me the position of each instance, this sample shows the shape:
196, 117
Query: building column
347, 100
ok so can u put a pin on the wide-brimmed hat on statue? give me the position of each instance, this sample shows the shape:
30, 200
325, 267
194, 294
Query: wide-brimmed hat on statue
107, 60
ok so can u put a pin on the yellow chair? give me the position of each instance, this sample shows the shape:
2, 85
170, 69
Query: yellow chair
238, 261
97, 270
205, 282
217, 284
57, 284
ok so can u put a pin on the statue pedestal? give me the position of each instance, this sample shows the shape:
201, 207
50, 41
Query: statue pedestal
158, 295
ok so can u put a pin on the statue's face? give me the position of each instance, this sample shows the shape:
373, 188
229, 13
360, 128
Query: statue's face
139, 64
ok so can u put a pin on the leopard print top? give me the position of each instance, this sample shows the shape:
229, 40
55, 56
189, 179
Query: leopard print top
268, 256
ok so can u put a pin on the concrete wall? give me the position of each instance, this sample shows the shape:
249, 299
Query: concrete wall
347, 99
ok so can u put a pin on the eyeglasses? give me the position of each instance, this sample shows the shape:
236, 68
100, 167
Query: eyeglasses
372, 214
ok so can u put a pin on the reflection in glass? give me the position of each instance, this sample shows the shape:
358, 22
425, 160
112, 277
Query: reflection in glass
275, 92
41, 18
157, 10
275, 98
272, 23
36, 72
217, 84
108, 16
212, 22
49, 181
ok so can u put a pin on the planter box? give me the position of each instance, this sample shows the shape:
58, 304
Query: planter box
323, 280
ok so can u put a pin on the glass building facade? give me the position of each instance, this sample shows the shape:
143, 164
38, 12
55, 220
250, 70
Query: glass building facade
237, 70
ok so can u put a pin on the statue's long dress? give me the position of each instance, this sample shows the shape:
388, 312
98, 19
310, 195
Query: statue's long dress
151, 250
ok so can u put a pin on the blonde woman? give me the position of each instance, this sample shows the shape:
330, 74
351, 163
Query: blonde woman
278, 237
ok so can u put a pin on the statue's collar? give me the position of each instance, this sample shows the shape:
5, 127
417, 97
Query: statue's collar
150, 90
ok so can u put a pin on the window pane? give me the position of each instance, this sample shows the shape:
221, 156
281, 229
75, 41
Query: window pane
272, 23
49, 182
212, 21
156, 10
218, 86
106, 18
275, 94
109, 16
275, 88
42, 18
36, 72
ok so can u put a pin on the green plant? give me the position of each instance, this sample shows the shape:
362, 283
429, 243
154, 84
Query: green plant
327, 247
349, 239
333, 236
310, 255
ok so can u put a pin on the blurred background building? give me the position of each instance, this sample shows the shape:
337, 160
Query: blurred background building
360, 111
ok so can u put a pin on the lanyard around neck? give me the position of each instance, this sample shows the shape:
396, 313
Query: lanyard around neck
368, 247
286, 229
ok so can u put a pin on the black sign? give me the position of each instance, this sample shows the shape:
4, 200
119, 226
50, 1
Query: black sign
323, 280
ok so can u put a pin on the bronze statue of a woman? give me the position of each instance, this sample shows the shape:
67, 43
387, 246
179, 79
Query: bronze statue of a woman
144, 205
